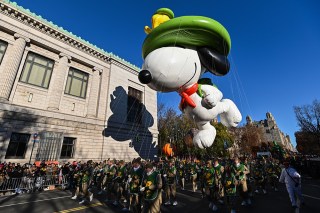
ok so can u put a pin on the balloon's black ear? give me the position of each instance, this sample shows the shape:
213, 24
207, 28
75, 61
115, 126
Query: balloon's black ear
212, 60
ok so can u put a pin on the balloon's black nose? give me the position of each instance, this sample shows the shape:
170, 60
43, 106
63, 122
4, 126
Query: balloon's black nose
145, 77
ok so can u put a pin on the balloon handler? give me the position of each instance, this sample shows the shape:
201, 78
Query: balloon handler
176, 52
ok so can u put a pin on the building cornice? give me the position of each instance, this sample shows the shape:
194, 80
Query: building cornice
25, 16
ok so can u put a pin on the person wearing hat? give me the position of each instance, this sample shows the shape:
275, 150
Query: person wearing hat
181, 174
209, 184
134, 182
230, 188
86, 182
77, 179
259, 175
200, 176
192, 172
119, 185
292, 179
151, 190
249, 177
98, 176
240, 171
218, 176
109, 173
170, 187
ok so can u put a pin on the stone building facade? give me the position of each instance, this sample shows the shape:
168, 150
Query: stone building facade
62, 98
272, 132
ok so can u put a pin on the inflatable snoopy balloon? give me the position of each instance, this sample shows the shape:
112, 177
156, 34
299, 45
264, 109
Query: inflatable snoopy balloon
176, 52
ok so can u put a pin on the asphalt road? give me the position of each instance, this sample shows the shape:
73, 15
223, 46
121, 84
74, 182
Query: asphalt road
59, 201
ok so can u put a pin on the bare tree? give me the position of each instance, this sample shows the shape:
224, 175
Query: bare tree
308, 117
308, 137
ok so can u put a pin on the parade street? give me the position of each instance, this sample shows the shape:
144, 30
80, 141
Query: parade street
59, 201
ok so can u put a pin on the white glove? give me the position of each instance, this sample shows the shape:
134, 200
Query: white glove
129, 180
142, 189
165, 175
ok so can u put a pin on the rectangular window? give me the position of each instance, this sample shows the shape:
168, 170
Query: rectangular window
67, 147
134, 106
3, 47
37, 70
17, 145
77, 83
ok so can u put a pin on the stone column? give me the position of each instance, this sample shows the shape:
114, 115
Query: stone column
59, 75
12, 66
94, 93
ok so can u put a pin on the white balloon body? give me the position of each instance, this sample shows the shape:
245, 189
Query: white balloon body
177, 69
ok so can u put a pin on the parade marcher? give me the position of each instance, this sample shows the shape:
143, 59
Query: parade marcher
119, 184
209, 184
240, 172
71, 179
77, 177
292, 179
218, 178
134, 182
86, 182
230, 188
98, 176
192, 170
152, 190
181, 174
249, 176
272, 170
110, 171
202, 168
259, 175
170, 187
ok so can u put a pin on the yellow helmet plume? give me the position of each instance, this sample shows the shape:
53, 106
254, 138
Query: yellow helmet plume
160, 16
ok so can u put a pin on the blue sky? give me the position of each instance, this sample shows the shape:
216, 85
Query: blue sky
275, 54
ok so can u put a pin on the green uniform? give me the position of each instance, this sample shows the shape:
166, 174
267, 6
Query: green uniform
136, 177
171, 175
150, 183
121, 174
218, 176
209, 184
152, 193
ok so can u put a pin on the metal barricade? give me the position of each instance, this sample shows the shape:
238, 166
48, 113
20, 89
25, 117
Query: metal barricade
12, 184
30, 184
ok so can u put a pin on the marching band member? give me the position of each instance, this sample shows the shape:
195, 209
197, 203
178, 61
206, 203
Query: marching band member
151, 190
218, 177
209, 184
181, 174
230, 188
134, 182
118, 181
110, 172
192, 170
240, 172
259, 173
171, 188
